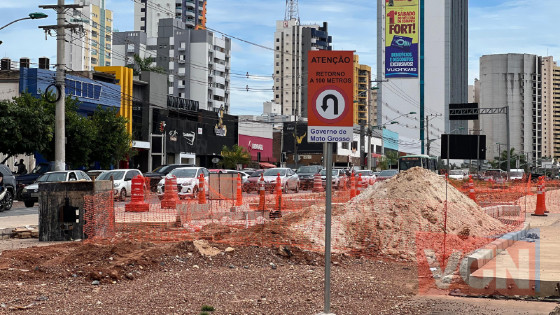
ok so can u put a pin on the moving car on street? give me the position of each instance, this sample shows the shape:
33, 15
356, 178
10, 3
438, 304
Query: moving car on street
386, 174
30, 193
368, 178
337, 178
158, 173
252, 181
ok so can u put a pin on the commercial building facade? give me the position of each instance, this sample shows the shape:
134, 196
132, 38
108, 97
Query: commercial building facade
148, 13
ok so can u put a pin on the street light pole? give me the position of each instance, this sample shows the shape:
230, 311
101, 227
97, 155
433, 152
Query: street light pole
32, 16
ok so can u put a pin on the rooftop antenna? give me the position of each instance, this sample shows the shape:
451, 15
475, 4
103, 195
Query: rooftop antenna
292, 11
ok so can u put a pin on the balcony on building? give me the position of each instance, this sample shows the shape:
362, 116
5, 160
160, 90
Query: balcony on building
181, 72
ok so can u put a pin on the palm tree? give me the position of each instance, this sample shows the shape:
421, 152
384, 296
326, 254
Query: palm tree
144, 64
234, 156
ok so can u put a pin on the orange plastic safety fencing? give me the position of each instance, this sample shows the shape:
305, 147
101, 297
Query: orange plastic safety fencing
362, 226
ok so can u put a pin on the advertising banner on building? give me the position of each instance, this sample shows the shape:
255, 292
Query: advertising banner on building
401, 38
259, 148
330, 107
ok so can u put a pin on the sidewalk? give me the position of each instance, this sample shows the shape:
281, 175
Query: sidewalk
528, 267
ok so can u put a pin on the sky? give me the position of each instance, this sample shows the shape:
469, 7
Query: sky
495, 27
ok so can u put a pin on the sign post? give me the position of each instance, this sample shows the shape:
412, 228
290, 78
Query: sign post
330, 119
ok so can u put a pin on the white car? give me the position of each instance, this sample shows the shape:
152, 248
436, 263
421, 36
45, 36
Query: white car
458, 174
187, 181
30, 193
289, 180
122, 181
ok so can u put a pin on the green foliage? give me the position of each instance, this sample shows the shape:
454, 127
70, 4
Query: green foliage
144, 64
207, 308
79, 132
112, 142
513, 157
234, 156
25, 126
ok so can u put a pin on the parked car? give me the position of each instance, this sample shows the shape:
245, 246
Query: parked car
306, 175
30, 193
159, 172
458, 174
337, 177
386, 174
122, 181
11, 187
368, 178
252, 181
288, 177
244, 176
187, 181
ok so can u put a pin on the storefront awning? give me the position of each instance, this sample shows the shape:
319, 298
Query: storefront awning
266, 165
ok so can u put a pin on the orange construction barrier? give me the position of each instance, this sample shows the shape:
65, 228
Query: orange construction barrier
359, 188
471, 189
261, 193
170, 195
342, 183
541, 204
544, 193
137, 203
276, 213
352, 186
317, 183
239, 197
201, 190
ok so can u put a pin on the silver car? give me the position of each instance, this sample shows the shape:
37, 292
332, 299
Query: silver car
289, 179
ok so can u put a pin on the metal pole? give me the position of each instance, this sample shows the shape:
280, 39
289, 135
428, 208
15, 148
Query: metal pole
427, 135
477, 153
508, 149
362, 145
328, 210
60, 128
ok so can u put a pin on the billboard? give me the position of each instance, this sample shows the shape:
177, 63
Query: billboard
467, 147
401, 38
330, 108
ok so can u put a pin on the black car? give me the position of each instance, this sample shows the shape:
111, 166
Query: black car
10, 186
157, 174
30, 178
306, 175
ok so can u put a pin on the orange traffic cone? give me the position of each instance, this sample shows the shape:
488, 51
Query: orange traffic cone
317, 183
201, 190
278, 206
261, 193
471, 189
239, 197
170, 195
544, 193
137, 203
541, 205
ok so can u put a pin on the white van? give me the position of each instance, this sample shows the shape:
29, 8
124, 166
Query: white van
516, 174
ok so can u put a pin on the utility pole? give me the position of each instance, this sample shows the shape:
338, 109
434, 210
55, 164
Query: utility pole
60, 128
428, 142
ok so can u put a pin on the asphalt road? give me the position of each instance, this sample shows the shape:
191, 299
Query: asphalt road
19, 215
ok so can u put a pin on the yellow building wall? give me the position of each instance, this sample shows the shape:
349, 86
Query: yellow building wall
361, 90
125, 77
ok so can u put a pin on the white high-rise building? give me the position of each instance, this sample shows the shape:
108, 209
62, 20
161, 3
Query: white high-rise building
292, 41
93, 47
147, 14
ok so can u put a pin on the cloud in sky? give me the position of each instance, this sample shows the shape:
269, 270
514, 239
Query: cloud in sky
495, 26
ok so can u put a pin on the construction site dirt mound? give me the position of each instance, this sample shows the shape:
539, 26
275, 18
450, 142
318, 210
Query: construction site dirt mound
384, 219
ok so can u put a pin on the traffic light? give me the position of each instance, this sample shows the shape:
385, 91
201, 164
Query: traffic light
161, 126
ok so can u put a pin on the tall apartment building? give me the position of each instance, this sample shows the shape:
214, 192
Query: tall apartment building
147, 14
91, 48
551, 107
362, 85
515, 81
292, 41
197, 62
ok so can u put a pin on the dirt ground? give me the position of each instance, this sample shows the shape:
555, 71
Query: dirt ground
175, 278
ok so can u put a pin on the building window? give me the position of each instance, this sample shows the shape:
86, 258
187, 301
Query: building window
142, 9
345, 145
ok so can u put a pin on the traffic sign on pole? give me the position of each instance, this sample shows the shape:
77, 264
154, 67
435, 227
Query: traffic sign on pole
330, 96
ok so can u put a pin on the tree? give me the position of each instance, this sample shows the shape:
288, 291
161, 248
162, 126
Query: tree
234, 156
25, 125
144, 64
501, 161
112, 143
390, 158
79, 133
